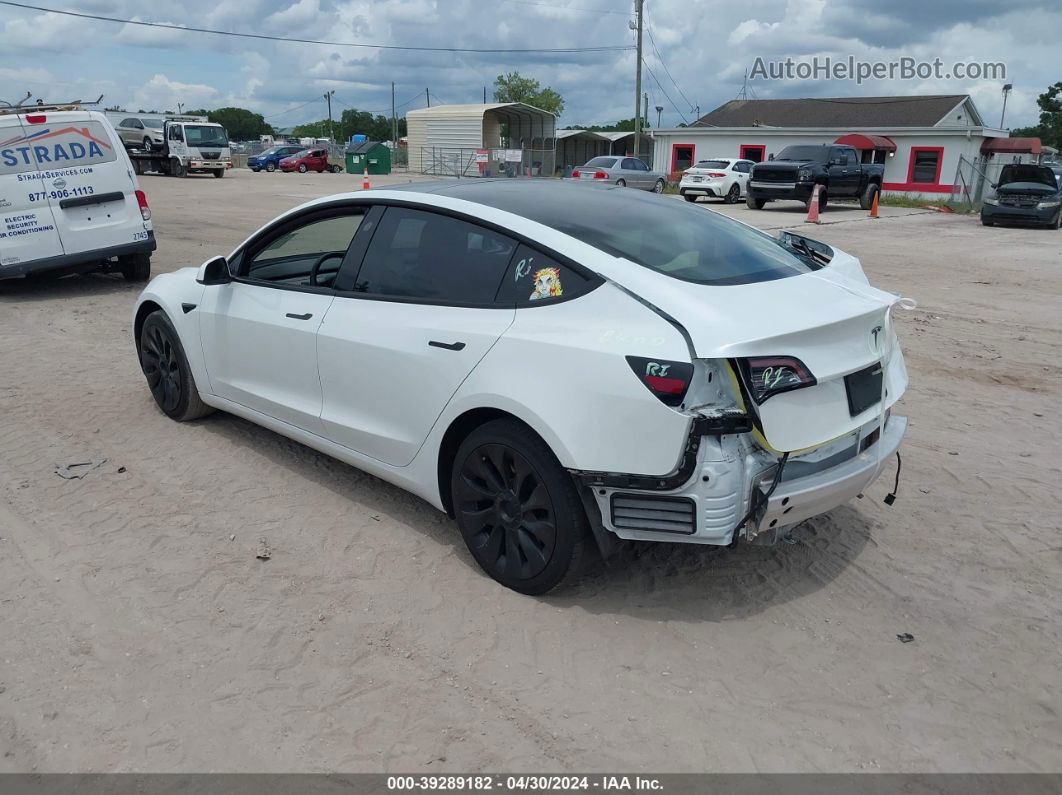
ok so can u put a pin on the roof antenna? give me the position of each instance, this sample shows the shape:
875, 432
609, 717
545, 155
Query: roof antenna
744, 93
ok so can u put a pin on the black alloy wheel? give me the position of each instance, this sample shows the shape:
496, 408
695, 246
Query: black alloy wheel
167, 372
518, 509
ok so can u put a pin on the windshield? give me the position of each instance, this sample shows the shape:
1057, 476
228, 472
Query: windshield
602, 162
677, 239
803, 153
154, 124
713, 164
202, 135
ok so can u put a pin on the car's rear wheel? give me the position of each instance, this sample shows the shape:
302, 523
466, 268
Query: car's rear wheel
335, 169
733, 196
517, 508
167, 372
271, 167
754, 204
135, 267
690, 197
622, 183
658, 186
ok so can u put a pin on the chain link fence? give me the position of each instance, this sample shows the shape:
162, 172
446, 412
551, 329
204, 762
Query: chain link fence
455, 162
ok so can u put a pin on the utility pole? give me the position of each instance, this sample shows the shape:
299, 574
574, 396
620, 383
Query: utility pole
645, 110
638, 79
484, 95
394, 120
427, 97
328, 99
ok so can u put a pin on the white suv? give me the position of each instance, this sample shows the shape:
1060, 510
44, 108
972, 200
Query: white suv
540, 362
69, 200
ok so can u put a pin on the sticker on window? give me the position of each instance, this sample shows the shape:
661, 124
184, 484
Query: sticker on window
547, 284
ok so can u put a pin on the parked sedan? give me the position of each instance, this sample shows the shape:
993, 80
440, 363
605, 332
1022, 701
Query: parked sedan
308, 160
627, 172
724, 178
1026, 193
550, 371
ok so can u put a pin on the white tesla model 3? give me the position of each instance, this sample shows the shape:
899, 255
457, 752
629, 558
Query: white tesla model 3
551, 364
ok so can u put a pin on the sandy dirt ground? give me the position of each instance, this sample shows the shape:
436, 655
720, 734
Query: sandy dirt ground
139, 632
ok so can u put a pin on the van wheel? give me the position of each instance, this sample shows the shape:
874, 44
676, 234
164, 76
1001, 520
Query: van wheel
754, 204
271, 167
135, 267
517, 508
867, 199
219, 172
167, 372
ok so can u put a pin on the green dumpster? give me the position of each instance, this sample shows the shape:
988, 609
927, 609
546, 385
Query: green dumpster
373, 155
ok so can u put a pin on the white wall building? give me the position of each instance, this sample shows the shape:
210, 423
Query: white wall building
920, 140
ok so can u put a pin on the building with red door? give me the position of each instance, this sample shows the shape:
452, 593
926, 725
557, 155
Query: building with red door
931, 146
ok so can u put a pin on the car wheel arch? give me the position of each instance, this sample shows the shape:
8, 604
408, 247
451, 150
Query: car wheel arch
459, 429
146, 308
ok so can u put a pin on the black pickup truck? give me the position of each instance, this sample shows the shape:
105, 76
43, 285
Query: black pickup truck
796, 170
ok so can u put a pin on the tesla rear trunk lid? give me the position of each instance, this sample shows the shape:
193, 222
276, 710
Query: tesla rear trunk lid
831, 320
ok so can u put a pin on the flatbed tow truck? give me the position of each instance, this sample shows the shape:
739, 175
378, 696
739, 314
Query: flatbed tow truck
190, 146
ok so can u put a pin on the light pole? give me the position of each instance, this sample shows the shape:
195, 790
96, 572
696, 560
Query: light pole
659, 110
1006, 91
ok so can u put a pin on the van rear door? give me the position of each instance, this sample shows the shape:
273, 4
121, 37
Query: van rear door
90, 182
28, 231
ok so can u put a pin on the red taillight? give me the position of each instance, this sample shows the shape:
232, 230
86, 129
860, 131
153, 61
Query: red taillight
716, 174
145, 211
771, 375
600, 175
575, 173
666, 379
37, 118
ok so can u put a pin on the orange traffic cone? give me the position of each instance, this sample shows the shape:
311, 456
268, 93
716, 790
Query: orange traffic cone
365, 181
874, 205
813, 207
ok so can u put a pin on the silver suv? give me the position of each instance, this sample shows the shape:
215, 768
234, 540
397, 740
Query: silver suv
140, 133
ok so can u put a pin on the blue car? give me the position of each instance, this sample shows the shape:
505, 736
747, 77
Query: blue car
270, 158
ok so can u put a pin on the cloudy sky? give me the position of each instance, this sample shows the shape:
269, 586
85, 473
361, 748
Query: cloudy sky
705, 45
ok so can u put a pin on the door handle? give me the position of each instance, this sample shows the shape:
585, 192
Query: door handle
450, 346
293, 316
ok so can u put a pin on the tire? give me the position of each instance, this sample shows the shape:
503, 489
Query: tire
658, 186
165, 367
147, 144
138, 167
986, 222
823, 199
733, 196
1058, 221
302, 168
256, 170
621, 183
690, 197
177, 169
867, 199
335, 169
271, 167
754, 204
503, 474
219, 172
135, 267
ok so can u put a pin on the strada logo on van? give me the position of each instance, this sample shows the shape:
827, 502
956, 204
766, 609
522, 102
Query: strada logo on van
48, 148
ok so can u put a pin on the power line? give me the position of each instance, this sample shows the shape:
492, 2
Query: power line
289, 110
659, 57
385, 111
569, 8
664, 91
167, 26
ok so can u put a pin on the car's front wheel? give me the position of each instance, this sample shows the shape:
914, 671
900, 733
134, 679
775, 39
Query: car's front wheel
518, 509
754, 204
302, 168
166, 368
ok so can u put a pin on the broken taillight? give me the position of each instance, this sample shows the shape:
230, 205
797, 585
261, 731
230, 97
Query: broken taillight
666, 379
771, 375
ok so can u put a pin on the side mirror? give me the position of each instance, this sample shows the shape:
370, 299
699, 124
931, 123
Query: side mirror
214, 271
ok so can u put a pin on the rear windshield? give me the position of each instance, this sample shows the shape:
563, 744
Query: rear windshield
723, 164
805, 153
54, 146
677, 239
602, 162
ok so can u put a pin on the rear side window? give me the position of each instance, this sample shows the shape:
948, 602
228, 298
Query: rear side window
430, 256
535, 279
54, 146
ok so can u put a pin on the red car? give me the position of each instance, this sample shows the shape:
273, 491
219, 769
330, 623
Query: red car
308, 160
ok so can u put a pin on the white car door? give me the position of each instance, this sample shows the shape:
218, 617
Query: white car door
27, 226
259, 332
407, 328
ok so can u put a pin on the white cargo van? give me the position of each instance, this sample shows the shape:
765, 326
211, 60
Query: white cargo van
69, 200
